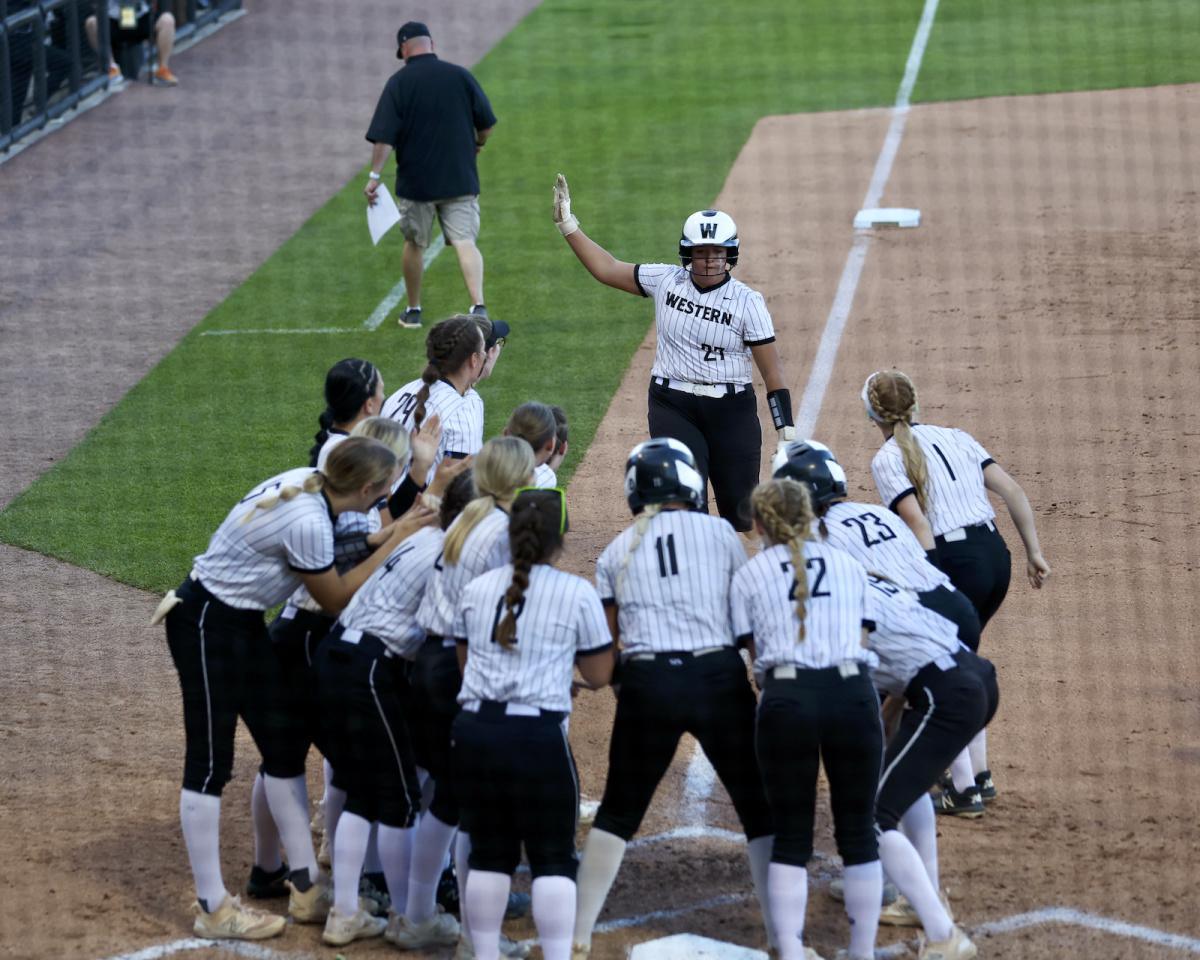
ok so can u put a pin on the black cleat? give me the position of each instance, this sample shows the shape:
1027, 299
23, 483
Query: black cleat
267, 884
968, 804
410, 319
987, 786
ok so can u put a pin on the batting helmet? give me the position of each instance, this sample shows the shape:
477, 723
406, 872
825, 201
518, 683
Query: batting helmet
814, 465
709, 228
662, 470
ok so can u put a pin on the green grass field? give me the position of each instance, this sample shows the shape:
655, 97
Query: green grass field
645, 107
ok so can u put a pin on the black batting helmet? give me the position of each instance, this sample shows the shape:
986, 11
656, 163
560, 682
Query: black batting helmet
662, 470
814, 465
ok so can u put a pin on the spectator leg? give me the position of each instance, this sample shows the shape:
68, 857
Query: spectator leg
414, 267
470, 261
164, 38
93, 39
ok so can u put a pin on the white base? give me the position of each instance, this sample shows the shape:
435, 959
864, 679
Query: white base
688, 946
887, 217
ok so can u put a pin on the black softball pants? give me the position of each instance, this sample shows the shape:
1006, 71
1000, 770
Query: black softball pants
955, 607
979, 565
818, 717
286, 696
948, 703
434, 683
517, 783
660, 700
219, 652
361, 688
724, 436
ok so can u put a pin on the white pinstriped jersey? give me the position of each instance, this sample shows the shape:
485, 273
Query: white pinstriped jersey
386, 605
674, 594
954, 461
906, 637
254, 565
349, 550
703, 336
331, 441
882, 543
544, 476
485, 548
834, 614
559, 618
462, 418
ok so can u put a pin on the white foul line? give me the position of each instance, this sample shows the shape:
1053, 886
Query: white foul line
835, 324
1091, 921
239, 947
396, 294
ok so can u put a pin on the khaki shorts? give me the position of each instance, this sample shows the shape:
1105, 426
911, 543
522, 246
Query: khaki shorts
459, 217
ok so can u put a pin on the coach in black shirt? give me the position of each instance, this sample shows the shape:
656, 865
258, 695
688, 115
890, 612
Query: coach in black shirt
437, 118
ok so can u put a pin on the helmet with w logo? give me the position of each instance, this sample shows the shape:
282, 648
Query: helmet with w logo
709, 228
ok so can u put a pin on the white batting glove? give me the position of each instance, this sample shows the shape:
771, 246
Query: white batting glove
566, 223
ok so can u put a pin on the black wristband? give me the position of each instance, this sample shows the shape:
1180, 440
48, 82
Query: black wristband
780, 404
405, 496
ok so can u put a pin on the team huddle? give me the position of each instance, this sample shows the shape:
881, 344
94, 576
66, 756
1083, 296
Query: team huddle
431, 650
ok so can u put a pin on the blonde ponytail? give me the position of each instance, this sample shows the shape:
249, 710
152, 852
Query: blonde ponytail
892, 399
640, 526
503, 464
313, 483
784, 508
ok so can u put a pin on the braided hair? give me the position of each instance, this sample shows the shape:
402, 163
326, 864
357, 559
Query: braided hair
784, 508
535, 535
450, 344
892, 399
354, 463
348, 385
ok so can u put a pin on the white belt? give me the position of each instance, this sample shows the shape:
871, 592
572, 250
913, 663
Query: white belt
960, 533
351, 636
687, 653
700, 389
847, 668
511, 709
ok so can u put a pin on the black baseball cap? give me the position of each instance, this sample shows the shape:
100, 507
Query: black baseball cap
413, 28
499, 331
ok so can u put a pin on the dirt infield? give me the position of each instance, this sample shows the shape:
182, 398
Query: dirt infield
1047, 304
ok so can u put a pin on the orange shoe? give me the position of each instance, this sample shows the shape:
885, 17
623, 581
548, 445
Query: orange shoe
114, 72
164, 75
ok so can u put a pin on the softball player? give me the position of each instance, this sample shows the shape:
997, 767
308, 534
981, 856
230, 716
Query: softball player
564, 436
818, 705
353, 392
937, 479
278, 536
875, 537
665, 584
710, 327
363, 669
535, 423
457, 355
475, 543
522, 629
289, 688
951, 695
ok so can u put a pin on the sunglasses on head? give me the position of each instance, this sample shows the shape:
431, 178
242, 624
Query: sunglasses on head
562, 503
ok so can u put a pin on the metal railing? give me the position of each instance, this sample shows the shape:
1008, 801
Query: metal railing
47, 66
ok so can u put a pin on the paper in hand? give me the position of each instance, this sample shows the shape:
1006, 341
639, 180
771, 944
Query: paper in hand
383, 215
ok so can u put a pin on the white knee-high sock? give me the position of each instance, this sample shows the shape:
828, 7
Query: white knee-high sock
395, 853
554, 915
486, 901
200, 817
266, 834
462, 856
787, 889
961, 772
602, 856
759, 852
864, 893
335, 803
919, 824
372, 863
908, 873
288, 798
432, 842
349, 850
978, 750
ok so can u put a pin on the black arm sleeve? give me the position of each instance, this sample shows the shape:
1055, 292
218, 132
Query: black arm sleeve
404, 497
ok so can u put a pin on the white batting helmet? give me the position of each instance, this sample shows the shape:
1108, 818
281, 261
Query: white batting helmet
709, 228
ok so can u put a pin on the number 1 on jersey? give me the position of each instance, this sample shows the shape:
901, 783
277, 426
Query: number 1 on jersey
668, 554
